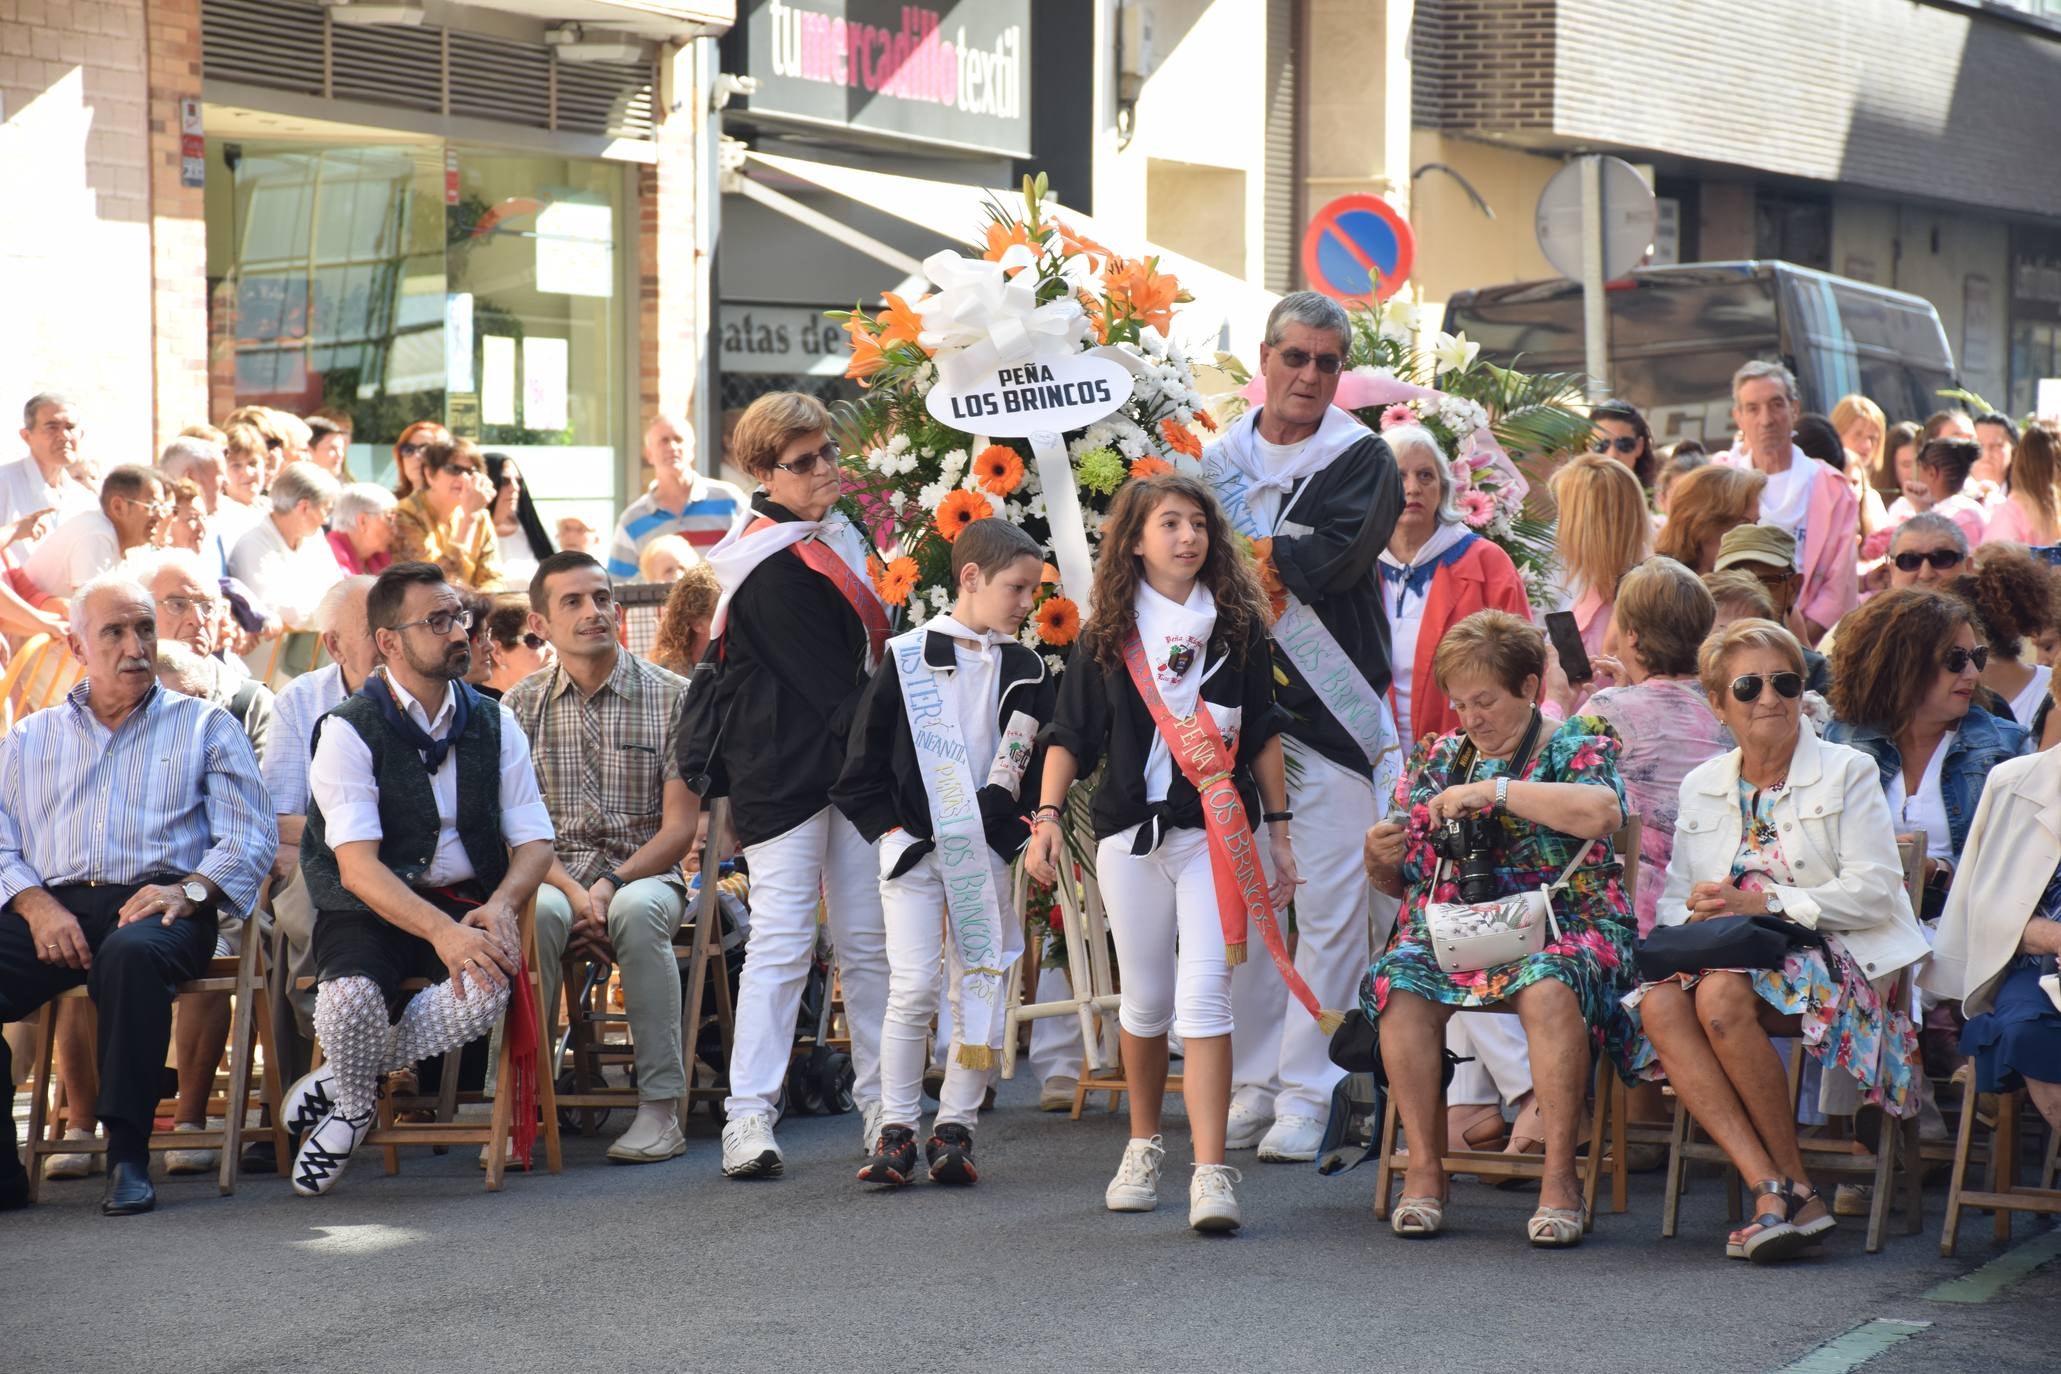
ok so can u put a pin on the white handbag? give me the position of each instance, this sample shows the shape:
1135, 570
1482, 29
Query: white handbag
1470, 936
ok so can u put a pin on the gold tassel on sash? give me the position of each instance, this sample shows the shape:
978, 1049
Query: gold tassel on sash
1234, 953
977, 1057
1328, 1021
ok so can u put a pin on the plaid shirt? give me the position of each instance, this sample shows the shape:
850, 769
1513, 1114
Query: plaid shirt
603, 761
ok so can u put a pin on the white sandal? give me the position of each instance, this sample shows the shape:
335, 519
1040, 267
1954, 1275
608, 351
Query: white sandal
1555, 1228
1417, 1218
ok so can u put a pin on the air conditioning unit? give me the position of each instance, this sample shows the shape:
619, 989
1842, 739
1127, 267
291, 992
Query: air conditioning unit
577, 43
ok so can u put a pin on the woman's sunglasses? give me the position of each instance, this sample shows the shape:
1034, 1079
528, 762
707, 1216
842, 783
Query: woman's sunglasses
1604, 444
1957, 659
809, 462
1941, 559
1746, 688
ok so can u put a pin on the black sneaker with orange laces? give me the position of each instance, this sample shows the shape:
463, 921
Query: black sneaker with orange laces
894, 1157
950, 1152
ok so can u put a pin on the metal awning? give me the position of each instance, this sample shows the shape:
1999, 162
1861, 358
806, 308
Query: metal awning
1227, 312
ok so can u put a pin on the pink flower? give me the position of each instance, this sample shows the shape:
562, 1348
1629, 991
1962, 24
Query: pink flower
1477, 507
1398, 414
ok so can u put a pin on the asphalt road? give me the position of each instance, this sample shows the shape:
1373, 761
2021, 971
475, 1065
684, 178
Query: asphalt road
672, 1267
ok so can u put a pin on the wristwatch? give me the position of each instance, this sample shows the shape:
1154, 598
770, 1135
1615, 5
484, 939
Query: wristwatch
1503, 793
1773, 900
195, 892
616, 880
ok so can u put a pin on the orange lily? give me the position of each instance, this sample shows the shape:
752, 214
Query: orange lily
900, 323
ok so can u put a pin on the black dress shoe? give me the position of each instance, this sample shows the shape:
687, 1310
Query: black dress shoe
258, 1158
14, 1190
128, 1190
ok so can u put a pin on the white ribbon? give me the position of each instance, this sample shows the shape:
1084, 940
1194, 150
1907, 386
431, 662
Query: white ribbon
981, 318
1063, 518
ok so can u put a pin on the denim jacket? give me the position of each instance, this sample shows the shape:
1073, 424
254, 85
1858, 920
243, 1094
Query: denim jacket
1981, 743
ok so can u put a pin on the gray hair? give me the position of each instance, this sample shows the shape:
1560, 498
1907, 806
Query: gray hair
298, 482
189, 672
356, 501
113, 580
37, 402
1401, 437
1761, 369
1312, 308
146, 565
329, 610
185, 453
1932, 522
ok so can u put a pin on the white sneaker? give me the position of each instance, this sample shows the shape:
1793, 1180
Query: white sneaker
1292, 1138
190, 1161
1055, 1094
870, 1117
1136, 1185
1246, 1126
327, 1151
749, 1150
1212, 1206
648, 1141
72, 1165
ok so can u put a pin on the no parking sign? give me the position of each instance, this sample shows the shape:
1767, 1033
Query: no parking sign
1358, 248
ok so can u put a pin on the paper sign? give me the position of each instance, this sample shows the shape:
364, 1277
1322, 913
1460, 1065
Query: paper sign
576, 249
497, 382
2048, 404
1049, 394
546, 369
458, 341
193, 167
450, 177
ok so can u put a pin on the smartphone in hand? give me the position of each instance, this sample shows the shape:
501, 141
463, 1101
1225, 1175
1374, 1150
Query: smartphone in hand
1567, 643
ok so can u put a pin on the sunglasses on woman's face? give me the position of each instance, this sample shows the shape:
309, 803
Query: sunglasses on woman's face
1746, 688
1941, 559
1957, 659
806, 463
1604, 444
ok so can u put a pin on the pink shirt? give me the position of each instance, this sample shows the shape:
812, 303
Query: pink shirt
2011, 521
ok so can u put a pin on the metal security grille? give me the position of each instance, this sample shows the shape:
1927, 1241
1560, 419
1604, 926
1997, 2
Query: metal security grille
1283, 139
293, 45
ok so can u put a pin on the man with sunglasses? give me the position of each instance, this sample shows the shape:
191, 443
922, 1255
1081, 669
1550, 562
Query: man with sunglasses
1803, 496
603, 726
1926, 551
133, 500
1320, 494
425, 836
702, 510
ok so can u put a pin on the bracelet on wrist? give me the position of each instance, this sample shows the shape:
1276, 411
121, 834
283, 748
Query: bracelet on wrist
1272, 816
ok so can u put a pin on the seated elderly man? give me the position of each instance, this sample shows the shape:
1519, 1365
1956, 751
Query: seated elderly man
132, 502
419, 790
285, 559
131, 820
1998, 939
189, 613
604, 725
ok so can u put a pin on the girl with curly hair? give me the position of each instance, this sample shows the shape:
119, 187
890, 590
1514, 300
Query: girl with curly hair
1175, 640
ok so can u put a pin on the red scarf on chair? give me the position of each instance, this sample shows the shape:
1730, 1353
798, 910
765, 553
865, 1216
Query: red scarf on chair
519, 1045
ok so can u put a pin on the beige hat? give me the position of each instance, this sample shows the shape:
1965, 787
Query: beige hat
1757, 544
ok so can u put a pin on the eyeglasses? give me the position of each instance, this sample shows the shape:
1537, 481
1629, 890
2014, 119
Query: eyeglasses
409, 450
441, 623
1941, 559
1296, 360
1957, 659
182, 606
461, 469
1746, 688
1604, 444
809, 462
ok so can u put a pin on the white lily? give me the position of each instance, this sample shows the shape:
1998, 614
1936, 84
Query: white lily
1454, 352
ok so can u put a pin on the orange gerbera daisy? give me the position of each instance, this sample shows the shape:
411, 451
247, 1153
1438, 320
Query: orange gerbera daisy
900, 323
1150, 465
897, 581
1180, 438
1206, 420
867, 358
1059, 621
999, 469
960, 509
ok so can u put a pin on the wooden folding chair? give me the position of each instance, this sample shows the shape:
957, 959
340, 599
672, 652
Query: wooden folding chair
243, 976
2002, 1194
1896, 1161
22, 667
1607, 1136
56, 673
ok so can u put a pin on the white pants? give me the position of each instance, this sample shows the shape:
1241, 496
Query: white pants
1281, 1061
1501, 1054
1169, 937
822, 857
1055, 1041
918, 952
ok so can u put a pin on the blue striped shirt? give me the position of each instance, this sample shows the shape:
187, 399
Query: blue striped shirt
304, 701
173, 789
714, 509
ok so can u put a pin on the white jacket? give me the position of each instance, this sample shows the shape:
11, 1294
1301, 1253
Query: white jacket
1837, 836
2012, 846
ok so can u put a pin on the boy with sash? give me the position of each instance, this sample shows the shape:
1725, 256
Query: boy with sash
941, 757
1318, 494
1172, 684
796, 633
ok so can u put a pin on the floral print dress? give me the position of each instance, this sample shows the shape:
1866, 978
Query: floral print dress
1593, 954
1845, 1024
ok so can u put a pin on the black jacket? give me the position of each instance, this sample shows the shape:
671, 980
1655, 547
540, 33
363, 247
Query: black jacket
1102, 714
881, 787
1346, 512
772, 700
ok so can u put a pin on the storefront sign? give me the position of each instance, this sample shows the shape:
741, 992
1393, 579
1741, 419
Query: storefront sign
952, 73
1047, 395
780, 340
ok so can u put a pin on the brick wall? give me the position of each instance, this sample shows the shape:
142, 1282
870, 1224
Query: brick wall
1884, 94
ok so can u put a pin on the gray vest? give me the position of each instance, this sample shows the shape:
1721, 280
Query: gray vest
408, 821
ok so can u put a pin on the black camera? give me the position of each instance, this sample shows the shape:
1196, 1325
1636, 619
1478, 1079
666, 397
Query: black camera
1471, 843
